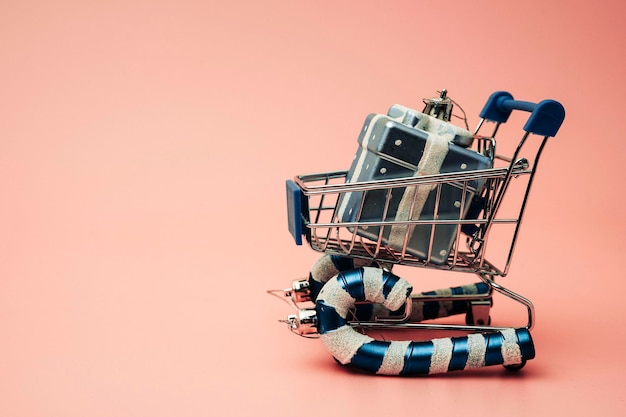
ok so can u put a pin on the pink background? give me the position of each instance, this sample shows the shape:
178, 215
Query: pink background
143, 151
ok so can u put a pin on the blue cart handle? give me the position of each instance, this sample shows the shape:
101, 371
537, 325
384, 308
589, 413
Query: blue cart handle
545, 119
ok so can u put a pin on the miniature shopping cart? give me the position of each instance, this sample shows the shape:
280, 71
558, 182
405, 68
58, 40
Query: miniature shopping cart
446, 220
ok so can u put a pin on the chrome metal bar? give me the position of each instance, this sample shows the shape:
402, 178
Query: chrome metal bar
413, 222
523, 205
451, 177
514, 296
427, 326
457, 240
433, 226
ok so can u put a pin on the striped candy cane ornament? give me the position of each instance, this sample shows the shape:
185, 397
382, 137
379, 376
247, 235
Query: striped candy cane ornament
509, 347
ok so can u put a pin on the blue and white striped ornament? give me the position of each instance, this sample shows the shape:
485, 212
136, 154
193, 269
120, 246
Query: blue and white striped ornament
338, 297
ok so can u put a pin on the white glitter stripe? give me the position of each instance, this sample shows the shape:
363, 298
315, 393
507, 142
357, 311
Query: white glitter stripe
373, 283
324, 269
393, 362
432, 124
336, 296
442, 353
398, 295
511, 352
344, 342
414, 198
477, 349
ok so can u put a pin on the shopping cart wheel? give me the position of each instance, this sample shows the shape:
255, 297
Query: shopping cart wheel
516, 367
478, 313
469, 320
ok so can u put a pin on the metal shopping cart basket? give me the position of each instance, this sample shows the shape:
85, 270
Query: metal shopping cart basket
447, 221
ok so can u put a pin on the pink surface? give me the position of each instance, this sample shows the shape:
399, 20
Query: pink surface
143, 149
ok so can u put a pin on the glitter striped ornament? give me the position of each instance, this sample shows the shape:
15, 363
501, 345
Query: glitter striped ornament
338, 297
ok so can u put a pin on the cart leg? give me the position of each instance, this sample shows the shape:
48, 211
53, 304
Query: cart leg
488, 279
478, 313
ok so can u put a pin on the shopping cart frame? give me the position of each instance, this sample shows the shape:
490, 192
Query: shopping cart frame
313, 201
